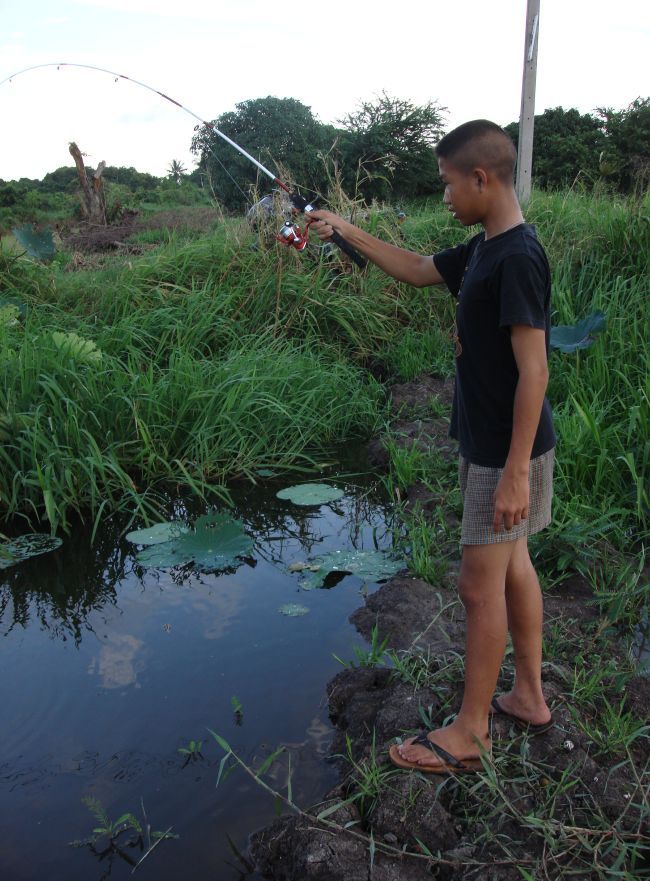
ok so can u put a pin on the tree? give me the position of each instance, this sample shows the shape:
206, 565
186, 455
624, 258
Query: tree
626, 157
282, 133
565, 145
391, 140
176, 171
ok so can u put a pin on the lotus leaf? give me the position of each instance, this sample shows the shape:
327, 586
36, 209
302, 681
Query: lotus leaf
266, 472
39, 245
293, 609
76, 347
311, 493
569, 337
156, 534
215, 543
17, 304
26, 546
9, 314
369, 565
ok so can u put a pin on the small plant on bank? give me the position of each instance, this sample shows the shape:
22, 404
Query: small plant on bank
371, 657
368, 778
614, 731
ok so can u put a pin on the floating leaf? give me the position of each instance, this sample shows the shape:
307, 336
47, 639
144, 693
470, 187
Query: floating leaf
7, 302
9, 314
39, 245
369, 565
156, 534
76, 347
293, 610
26, 546
569, 337
311, 493
215, 543
266, 472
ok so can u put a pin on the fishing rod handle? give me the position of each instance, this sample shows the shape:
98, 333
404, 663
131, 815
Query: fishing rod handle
347, 248
303, 204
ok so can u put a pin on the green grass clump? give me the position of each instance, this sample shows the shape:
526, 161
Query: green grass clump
103, 434
217, 357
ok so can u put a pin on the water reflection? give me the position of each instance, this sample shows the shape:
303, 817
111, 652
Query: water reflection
114, 667
61, 589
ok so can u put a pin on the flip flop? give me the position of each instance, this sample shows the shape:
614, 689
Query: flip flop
522, 724
449, 765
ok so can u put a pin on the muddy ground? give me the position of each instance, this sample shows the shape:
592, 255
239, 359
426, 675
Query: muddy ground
476, 826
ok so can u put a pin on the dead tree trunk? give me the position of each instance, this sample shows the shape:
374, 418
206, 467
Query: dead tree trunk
92, 203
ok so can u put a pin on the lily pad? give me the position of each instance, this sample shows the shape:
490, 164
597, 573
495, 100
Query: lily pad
9, 314
76, 347
266, 472
311, 493
156, 534
26, 546
215, 543
369, 565
39, 245
293, 610
6, 302
569, 337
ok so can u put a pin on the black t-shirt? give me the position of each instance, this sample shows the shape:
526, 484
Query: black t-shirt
498, 283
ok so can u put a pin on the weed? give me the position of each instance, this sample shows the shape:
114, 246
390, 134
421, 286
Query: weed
371, 657
192, 751
108, 832
615, 730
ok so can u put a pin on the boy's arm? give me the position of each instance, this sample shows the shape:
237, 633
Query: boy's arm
512, 492
403, 265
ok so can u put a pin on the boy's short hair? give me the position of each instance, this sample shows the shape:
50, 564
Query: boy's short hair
480, 144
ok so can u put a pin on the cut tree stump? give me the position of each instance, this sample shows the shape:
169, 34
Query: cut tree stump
93, 203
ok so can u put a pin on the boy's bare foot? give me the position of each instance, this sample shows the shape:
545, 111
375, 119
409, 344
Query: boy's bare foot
527, 708
454, 738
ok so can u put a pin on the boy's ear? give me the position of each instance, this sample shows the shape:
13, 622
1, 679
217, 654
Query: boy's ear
480, 177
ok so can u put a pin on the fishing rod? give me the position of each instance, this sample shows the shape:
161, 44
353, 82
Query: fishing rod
290, 234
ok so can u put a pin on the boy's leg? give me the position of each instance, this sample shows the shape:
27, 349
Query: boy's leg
482, 588
525, 610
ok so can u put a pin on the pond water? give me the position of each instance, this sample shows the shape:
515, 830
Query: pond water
109, 668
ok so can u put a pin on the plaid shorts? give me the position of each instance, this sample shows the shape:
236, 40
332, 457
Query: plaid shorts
477, 486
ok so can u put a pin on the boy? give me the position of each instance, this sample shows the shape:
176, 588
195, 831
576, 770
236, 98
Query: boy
502, 421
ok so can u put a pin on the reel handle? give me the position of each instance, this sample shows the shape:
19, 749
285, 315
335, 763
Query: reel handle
303, 204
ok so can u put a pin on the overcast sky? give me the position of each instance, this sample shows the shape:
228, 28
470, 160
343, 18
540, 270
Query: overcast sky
209, 54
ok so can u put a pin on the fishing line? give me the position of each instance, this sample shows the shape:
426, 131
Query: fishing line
290, 234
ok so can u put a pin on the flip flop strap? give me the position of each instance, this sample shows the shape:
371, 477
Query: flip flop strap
438, 750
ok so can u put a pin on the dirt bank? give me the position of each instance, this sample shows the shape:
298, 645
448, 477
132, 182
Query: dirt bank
570, 803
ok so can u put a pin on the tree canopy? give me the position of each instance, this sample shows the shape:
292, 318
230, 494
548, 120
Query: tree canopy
612, 145
388, 146
273, 130
384, 149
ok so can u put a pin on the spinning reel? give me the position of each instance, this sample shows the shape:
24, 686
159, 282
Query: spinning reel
291, 234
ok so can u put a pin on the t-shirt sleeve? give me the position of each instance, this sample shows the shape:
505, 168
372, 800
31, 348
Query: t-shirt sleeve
522, 292
451, 265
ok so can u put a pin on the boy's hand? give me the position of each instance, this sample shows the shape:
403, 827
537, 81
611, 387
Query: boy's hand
511, 498
325, 223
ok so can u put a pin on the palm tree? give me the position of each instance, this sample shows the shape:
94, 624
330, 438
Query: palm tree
176, 171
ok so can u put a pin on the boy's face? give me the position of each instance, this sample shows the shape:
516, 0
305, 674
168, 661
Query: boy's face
464, 193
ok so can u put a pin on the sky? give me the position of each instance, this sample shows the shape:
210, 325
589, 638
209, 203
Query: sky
466, 55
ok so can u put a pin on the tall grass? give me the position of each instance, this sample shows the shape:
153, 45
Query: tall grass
218, 359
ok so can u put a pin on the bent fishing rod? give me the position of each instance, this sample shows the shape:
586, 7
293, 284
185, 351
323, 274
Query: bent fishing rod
290, 234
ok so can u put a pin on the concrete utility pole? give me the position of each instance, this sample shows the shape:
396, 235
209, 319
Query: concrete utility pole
527, 115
